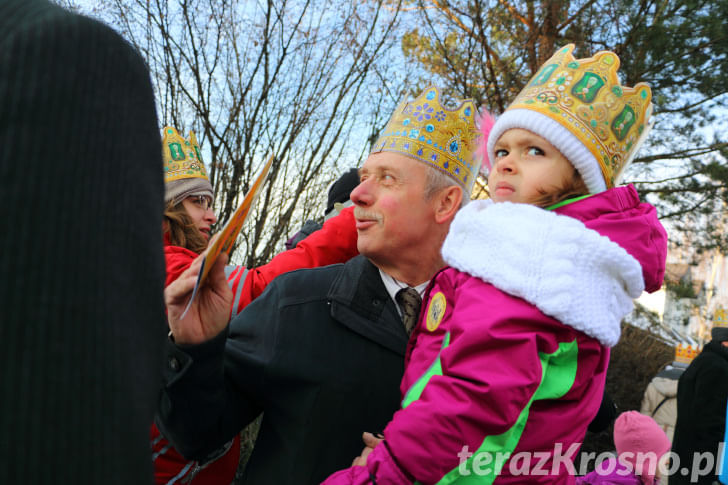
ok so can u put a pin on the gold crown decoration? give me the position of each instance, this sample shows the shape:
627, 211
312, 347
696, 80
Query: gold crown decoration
182, 159
685, 353
586, 97
720, 318
441, 137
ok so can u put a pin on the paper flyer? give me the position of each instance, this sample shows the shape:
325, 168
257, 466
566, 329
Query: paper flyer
230, 232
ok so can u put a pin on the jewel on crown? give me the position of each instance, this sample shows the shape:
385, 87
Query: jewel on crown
585, 96
444, 138
182, 158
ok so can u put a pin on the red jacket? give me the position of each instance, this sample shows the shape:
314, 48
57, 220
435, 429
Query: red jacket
334, 243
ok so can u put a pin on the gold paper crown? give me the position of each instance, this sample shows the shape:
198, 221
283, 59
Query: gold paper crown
182, 159
719, 317
427, 131
585, 97
685, 353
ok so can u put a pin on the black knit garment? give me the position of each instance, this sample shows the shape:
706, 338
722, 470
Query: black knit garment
81, 312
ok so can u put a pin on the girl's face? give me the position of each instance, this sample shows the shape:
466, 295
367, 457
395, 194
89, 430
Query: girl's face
199, 208
526, 167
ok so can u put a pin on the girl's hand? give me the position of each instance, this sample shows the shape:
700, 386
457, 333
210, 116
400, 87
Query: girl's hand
370, 441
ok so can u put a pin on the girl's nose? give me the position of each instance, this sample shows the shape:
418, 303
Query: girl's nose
505, 164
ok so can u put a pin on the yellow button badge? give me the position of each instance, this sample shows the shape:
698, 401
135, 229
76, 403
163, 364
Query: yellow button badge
436, 311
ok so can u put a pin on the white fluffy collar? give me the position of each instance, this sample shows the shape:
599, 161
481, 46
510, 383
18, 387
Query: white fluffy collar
554, 262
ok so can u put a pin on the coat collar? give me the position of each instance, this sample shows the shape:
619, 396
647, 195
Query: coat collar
360, 302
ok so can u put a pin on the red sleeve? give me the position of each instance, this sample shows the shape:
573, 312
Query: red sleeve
177, 260
334, 243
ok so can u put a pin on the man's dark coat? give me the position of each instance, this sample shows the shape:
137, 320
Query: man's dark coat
320, 353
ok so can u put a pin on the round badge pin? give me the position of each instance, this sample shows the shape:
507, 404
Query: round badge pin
436, 311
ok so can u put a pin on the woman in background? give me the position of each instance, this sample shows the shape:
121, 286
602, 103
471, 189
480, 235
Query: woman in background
188, 219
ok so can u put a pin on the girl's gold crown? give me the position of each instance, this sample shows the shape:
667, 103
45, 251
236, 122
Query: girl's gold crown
585, 97
431, 133
182, 159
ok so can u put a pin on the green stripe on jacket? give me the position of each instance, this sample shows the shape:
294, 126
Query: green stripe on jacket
558, 373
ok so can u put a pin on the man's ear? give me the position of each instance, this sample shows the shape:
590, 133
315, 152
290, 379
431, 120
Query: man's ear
448, 203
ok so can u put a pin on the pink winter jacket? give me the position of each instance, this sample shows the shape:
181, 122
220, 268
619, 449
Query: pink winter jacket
507, 365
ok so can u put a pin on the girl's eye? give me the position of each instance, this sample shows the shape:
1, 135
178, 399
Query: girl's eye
535, 151
501, 153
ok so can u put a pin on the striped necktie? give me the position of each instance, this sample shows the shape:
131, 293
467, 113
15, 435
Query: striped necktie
409, 301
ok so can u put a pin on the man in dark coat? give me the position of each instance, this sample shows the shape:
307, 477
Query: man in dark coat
321, 352
81, 309
702, 393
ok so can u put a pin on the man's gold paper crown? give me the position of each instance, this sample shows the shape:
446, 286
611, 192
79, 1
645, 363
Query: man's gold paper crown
443, 138
182, 159
685, 353
585, 96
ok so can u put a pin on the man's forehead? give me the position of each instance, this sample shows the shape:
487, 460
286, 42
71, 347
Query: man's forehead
391, 161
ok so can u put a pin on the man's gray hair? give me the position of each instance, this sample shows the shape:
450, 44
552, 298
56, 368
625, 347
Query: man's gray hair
438, 180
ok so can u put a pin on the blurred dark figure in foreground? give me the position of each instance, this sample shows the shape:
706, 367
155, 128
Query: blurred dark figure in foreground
81, 256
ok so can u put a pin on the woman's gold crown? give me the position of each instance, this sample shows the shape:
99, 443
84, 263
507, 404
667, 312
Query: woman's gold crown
181, 157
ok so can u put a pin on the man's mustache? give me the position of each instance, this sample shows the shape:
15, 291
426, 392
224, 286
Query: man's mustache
363, 214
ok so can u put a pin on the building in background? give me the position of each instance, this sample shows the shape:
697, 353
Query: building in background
693, 296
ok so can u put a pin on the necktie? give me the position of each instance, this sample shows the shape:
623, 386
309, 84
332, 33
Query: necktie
409, 301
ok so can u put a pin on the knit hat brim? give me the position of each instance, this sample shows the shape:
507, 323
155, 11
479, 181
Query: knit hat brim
556, 134
341, 188
177, 190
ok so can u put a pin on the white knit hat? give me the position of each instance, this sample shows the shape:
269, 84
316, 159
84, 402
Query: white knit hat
556, 134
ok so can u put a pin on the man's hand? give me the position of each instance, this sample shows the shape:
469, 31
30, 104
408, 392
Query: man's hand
209, 313
370, 441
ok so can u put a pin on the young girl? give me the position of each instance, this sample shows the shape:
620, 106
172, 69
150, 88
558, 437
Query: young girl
507, 365
188, 218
